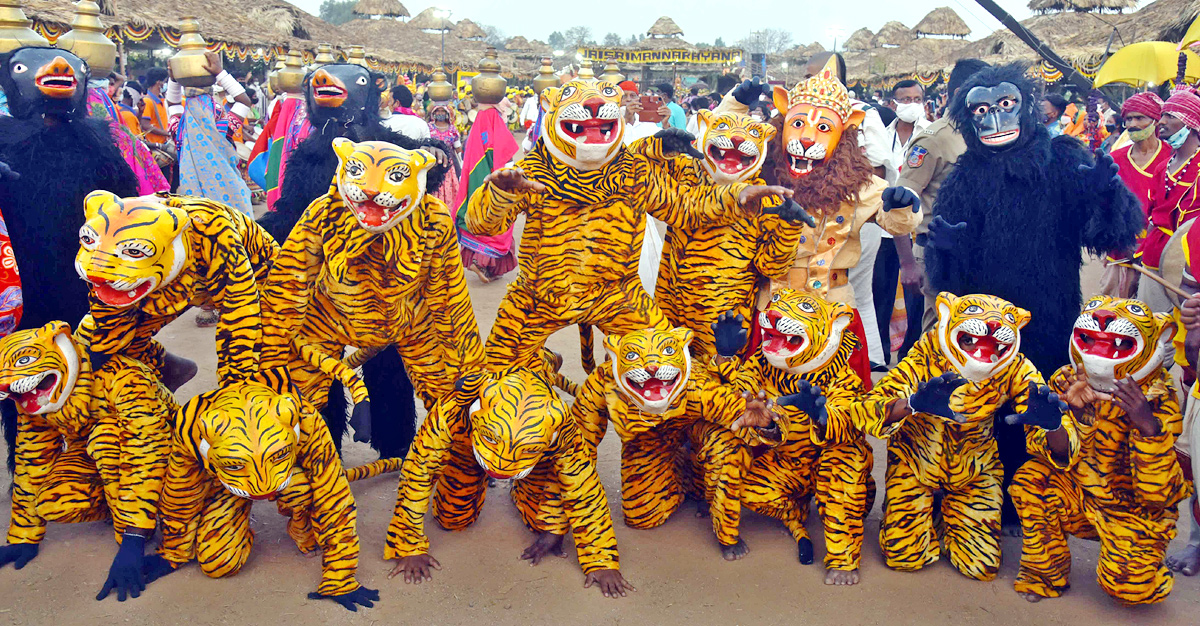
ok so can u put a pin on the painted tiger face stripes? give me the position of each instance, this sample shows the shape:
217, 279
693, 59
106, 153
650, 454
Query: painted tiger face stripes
1115, 338
380, 182
651, 367
734, 145
979, 334
583, 125
515, 419
39, 367
129, 247
801, 333
249, 436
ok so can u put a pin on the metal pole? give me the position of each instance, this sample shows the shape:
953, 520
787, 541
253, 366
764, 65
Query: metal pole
1069, 73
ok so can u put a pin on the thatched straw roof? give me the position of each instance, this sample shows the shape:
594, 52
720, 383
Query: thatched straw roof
467, 29
942, 21
860, 40
893, 34
518, 44
428, 20
1082, 6
386, 8
665, 27
107, 7
663, 43
918, 55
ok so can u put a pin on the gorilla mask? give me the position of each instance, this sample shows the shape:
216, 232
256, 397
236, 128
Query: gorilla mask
44, 81
996, 113
994, 109
341, 91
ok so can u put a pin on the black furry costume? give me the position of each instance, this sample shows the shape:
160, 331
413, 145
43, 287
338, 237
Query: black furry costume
61, 155
310, 171
1030, 209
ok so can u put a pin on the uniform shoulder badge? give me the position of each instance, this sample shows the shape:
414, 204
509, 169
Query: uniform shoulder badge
916, 156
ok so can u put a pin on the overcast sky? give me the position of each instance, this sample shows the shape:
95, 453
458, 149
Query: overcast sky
703, 21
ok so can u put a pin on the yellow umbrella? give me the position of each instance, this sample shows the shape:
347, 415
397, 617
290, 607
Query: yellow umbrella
1146, 62
1191, 36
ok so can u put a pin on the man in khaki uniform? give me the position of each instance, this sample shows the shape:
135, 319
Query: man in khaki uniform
930, 157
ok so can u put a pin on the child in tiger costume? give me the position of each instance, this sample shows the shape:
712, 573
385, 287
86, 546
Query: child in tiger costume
936, 409
507, 424
584, 197
814, 447
149, 259
372, 263
91, 444
253, 440
1111, 473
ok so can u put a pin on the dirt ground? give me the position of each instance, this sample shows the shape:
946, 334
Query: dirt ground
677, 569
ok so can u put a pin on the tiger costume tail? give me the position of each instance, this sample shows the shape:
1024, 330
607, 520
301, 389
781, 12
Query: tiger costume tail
373, 469
587, 348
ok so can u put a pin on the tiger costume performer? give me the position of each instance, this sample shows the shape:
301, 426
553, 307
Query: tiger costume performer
255, 440
508, 424
712, 269
805, 345
585, 198
1113, 475
148, 260
936, 409
374, 262
656, 406
91, 444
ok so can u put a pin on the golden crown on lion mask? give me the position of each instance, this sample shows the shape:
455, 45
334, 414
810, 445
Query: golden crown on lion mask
823, 90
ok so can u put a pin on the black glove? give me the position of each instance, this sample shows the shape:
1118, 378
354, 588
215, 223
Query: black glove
360, 421
809, 399
933, 396
943, 235
894, 197
678, 141
125, 574
791, 212
1101, 176
750, 90
19, 554
730, 334
1044, 409
155, 567
362, 595
7, 173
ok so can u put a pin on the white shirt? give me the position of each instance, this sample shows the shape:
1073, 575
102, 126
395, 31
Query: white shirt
529, 110
639, 130
899, 147
410, 126
873, 137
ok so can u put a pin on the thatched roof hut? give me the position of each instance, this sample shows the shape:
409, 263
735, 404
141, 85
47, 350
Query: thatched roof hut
384, 8
466, 29
859, 40
944, 22
663, 43
893, 35
429, 20
518, 44
665, 27
1081, 6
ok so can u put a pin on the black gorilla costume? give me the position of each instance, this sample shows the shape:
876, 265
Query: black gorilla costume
1018, 210
342, 100
60, 155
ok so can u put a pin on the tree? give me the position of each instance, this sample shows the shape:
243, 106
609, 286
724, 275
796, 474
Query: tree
337, 13
579, 36
612, 39
495, 37
766, 41
634, 40
719, 43
557, 40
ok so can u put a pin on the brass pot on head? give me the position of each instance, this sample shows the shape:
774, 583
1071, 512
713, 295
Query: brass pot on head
612, 73
188, 65
489, 86
15, 31
546, 78
273, 75
585, 71
291, 77
86, 40
324, 55
357, 55
440, 89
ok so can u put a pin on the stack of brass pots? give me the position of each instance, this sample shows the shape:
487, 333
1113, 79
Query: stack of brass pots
324, 55
585, 71
291, 77
546, 77
15, 31
489, 86
357, 55
188, 66
440, 89
612, 73
86, 40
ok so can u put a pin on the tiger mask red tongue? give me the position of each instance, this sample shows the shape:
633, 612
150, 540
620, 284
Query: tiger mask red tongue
653, 389
115, 296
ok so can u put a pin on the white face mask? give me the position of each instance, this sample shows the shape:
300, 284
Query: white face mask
910, 111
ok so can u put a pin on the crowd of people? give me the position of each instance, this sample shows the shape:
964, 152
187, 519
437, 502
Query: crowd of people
781, 274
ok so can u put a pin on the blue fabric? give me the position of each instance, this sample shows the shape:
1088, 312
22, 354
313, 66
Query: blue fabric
207, 162
678, 118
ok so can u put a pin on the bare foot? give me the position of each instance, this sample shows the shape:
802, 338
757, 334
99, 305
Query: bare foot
177, 371
702, 508
546, 543
1185, 561
1032, 597
735, 552
804, 549
1011, 530
841, 577
483, 277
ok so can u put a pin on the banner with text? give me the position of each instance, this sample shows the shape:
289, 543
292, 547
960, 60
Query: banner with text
651, 57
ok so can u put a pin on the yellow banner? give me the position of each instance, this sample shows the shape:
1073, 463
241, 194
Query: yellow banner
650, 57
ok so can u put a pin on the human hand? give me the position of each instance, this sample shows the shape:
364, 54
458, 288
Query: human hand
125, 575
911, 275
895, 197
1128, 395
730, 334
212, 63
791, 212
1189, 312
811, 400
1044, 409
751, 197
612, 584
416, 568
933, 396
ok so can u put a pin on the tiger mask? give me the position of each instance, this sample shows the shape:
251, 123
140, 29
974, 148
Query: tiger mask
801, 333
734, 145
583, 125
515, 418
1115, 338
381, 183
39, 367
979, 334
651, 366
129, 247
247, 435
